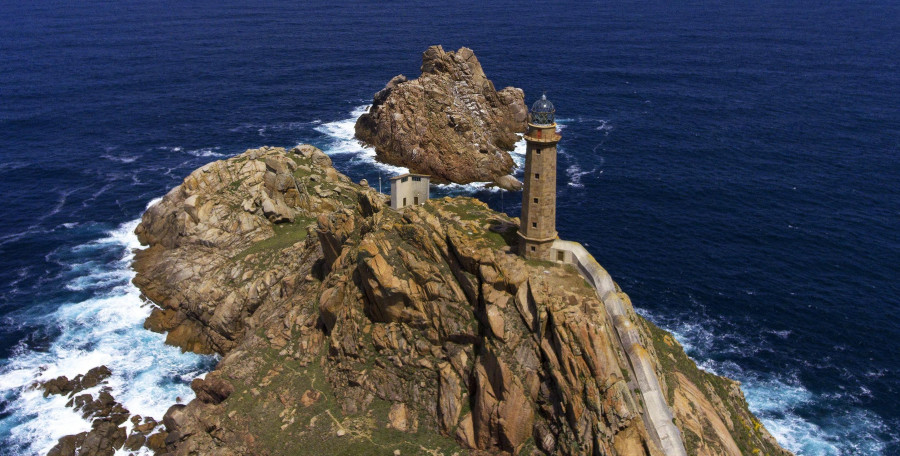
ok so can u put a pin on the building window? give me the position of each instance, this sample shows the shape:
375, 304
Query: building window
417, 179
537, 176
416, 200
404, 179
404, 202
535, 200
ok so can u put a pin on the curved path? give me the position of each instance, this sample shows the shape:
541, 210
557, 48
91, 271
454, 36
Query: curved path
658, 414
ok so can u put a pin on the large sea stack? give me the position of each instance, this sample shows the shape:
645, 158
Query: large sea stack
450, 123
346, 327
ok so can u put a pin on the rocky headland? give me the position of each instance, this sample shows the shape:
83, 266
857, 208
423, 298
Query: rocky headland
346, 327
450, 122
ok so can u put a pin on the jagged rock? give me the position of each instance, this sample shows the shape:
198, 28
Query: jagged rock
146, 427
134, 441
104, 407
94, 377
103, 440
212, 389
310, 397
449, 396
59, 385
157, 442
62, 385
68, 445
450, 123
173, 417
398, 417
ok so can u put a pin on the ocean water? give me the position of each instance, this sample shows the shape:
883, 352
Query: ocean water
734, 165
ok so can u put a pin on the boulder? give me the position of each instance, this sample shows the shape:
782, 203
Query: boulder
212, 389
508, 182
398, 417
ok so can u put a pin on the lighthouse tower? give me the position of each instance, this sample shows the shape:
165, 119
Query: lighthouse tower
538, 221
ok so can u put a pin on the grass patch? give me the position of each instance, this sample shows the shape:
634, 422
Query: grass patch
541, 263
268, 406
466, 209
286, 235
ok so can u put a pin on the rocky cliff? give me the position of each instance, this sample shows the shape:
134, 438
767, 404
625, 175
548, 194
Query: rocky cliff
450, 123
346, 327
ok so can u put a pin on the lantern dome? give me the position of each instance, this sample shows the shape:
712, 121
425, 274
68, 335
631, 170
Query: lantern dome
543, 112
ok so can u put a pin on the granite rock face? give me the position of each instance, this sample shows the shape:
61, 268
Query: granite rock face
202, 268
347, 327
450, 123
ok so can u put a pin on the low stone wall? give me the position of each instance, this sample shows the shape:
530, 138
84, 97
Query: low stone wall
658, 413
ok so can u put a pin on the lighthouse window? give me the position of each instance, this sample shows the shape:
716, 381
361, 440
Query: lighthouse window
537, 175
534, 224
532, 248
537, 151
535, 200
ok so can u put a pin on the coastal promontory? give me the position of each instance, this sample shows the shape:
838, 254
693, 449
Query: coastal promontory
348, 327
450, 122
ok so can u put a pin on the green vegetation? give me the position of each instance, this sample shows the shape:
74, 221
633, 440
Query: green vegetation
541, 263
467, 209
286, 235
275, 396
234, 186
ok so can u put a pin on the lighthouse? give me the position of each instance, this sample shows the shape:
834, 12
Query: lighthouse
537, 230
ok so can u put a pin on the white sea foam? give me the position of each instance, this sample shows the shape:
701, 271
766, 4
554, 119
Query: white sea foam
605, 127
575, 173
779, 400
344, 142
207, 152
202, 152
264, 129
120, 158
518, 155
106, 329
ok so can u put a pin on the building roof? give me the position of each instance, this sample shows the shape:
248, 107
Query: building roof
409, 175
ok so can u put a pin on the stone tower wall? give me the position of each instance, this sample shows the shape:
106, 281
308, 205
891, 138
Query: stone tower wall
538, 220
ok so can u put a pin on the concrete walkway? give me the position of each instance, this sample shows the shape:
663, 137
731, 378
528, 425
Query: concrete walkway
658, 413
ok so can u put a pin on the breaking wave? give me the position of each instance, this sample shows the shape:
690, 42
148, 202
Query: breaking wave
781, 401
104, 329
342, 141
342, 144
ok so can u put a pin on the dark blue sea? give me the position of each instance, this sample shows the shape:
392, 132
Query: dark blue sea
734, 165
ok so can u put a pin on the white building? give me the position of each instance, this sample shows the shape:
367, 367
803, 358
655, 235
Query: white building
409, 189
